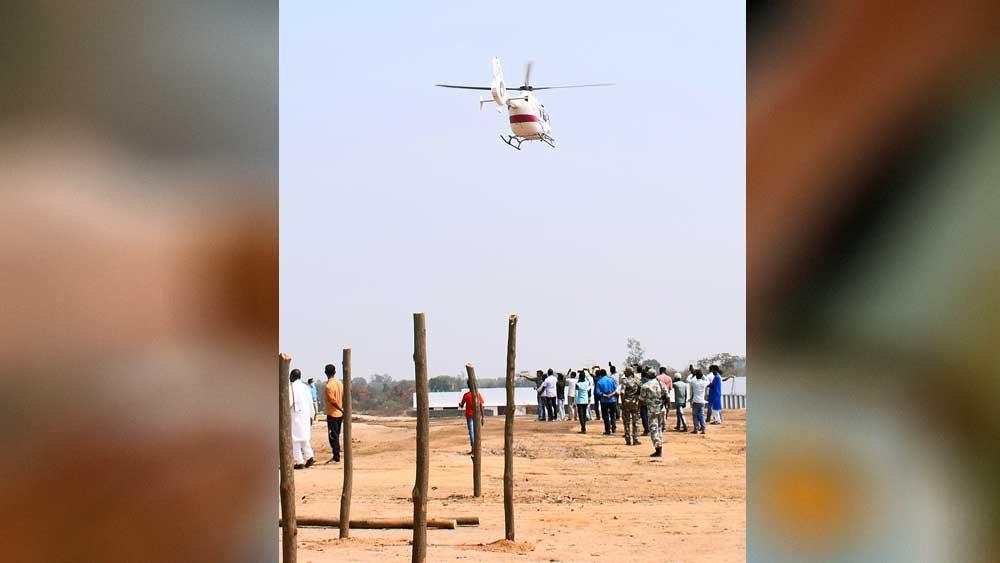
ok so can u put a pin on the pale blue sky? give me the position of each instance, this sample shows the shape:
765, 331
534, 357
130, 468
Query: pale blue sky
399, 197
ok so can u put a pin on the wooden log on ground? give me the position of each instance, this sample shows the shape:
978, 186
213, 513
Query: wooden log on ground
467, 520
423, 441
382, 523
345, 495
508, 434
286, 483
477, 428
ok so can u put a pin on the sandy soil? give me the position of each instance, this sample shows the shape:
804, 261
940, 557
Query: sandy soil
578, 497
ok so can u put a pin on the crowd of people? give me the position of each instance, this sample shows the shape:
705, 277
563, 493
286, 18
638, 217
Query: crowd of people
636, 397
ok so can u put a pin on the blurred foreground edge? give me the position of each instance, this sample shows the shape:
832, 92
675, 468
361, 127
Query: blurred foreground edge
873, 130
138, 163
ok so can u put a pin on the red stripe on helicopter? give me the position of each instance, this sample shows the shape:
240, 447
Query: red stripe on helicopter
524, 118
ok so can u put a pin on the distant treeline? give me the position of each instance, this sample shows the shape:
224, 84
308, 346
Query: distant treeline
380, 395
457, 382
728, 363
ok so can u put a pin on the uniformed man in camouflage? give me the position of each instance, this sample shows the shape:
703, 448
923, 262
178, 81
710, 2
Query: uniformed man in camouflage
630, 385
655, 396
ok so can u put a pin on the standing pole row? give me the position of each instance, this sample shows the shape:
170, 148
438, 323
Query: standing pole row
419, 523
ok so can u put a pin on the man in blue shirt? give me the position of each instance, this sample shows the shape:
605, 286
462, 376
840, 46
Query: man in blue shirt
606, 392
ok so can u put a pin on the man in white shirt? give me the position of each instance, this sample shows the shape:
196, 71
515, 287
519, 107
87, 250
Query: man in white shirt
585, 374
571, 394
302, 417
699, 384
548, 392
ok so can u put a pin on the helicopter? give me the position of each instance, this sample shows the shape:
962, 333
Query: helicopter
529, 121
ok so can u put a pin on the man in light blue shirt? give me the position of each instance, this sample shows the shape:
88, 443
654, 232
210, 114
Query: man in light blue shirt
312, 389
582, 400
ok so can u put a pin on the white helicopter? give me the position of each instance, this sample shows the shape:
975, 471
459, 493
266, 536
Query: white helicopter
528, 119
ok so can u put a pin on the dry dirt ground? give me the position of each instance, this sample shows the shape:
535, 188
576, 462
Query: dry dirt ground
577, 497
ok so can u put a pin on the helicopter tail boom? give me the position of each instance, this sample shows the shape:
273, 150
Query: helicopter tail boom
485, 101
497, 87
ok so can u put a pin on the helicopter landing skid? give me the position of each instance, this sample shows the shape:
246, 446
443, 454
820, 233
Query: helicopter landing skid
511, 139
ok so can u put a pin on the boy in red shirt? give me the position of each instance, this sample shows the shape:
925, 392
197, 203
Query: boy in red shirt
467, 403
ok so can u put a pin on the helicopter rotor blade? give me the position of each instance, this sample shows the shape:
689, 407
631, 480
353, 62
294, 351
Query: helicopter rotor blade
487, 88
571, 86
520, 88
527, 73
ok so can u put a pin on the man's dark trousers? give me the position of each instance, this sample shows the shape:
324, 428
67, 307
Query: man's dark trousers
550, 408
608, 413
333, 425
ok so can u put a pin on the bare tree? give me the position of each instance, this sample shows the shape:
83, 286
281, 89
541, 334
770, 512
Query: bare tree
636, 353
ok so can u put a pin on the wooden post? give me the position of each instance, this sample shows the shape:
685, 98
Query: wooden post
423, 442
508, 434
345, 495
286, 486
477, 428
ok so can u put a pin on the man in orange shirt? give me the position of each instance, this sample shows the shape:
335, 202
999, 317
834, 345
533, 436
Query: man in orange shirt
334, 410
469, 409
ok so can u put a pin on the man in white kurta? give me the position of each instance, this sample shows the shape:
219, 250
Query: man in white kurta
302, 417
